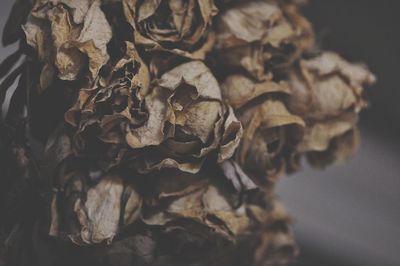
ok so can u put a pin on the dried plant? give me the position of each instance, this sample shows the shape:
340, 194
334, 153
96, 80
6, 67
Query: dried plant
153, 132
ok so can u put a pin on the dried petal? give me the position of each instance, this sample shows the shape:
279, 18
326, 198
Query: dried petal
90, 214
340, 149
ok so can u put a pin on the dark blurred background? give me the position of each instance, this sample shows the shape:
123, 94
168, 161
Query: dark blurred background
350, 213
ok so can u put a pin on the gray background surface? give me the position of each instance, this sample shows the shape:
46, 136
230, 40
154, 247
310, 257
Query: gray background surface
350, 213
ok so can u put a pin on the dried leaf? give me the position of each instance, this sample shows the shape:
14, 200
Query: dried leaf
12, 29
9, 62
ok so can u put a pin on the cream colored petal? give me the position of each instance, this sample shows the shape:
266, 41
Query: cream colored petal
152, 133
238, 90
101, 210
196, 74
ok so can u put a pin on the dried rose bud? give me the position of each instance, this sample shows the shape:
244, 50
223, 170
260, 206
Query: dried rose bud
177, 26
187, 121
327, 92
260, 37
270, 131
90, 209
70, 38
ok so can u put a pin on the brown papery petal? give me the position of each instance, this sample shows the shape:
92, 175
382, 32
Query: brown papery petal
239, 90
195, 74
317, 137
327, 86
341, 148
152, 133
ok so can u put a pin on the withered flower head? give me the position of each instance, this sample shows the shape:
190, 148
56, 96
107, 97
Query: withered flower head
155, 158
208, 224
270, 131
90, 209
187, 120
114, 104
192, 202
261, 36
327, 92
178, 26
70, 38
197, 198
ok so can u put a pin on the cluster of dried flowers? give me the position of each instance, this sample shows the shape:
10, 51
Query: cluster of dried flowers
165, 125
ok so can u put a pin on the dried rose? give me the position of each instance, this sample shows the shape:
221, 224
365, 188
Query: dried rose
113, 105
327, 86
88, 208
187, 120
255, 223
201, 234
327, 92
260, 37
70, 38
197, 198
270, 131
177, 26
